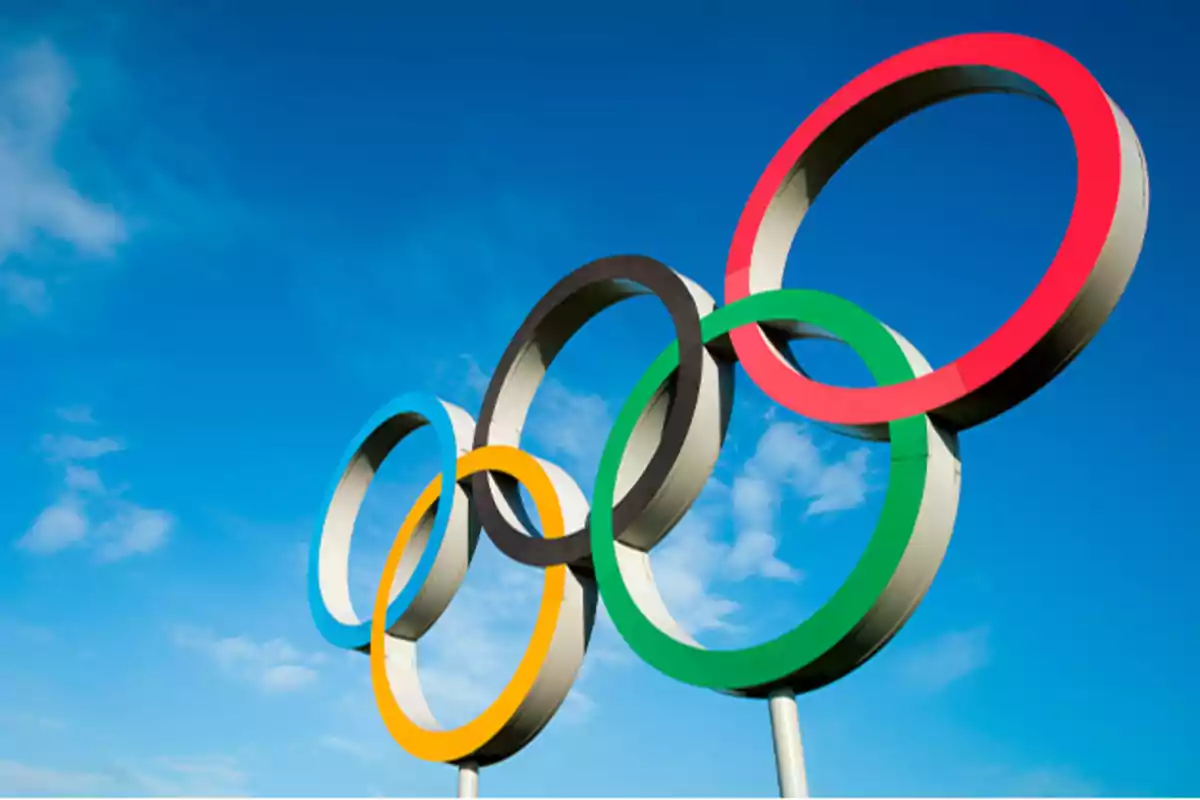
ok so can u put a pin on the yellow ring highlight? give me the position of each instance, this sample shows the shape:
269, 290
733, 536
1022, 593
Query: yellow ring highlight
460, 743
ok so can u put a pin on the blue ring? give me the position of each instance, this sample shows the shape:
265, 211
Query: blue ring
358, 637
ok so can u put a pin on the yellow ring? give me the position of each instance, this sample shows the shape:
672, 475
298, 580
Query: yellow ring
463, 742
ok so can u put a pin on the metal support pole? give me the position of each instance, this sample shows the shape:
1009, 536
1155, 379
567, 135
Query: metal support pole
789, 754
468, 779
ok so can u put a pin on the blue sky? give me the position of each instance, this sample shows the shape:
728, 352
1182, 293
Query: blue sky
229, 232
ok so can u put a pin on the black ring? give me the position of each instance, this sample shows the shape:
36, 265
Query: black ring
558, 316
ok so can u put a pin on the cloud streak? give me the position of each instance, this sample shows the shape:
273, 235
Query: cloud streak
695, 561
350, 747
202, 776
56, 528
68, 447
87, 512
18, 778
563, 423
947, 659
273, 666
37, 199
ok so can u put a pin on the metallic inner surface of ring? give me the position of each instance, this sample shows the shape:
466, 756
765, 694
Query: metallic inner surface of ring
678, 436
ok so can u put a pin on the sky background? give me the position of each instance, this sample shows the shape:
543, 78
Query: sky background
229, 231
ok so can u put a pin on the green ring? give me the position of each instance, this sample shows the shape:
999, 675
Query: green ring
793, 660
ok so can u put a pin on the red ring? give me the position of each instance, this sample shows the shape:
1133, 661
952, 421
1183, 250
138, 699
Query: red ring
988, 379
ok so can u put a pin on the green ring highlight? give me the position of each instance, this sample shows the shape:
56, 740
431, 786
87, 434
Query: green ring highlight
794, 659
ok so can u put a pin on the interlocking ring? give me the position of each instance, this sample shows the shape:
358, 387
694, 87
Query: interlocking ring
1069, 305
679, 435
668, 434
548, 667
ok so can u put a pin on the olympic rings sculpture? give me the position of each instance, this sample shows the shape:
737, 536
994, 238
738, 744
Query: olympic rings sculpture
667, 436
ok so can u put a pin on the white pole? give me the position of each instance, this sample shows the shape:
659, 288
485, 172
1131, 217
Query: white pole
468, 779
789, 754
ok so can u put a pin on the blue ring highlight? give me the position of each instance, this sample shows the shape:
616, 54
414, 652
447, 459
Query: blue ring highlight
358, 637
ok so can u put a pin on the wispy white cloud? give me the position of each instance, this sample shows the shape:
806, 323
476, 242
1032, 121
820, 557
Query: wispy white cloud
19, 630
563, 424
37, 199
205, 776
948, 658
56, 528
48, 226
755, 500
1052, 781
69, 447
29, 721
192, 776
273, 666
467, 656
474, 377
697, 560
76, 415
88, 512
787, 454
132, 530
686, 569
83, 479
1038, 780
570, 425
578, 706
17, 778
753, 553
351, 747
786, 460
24, 291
